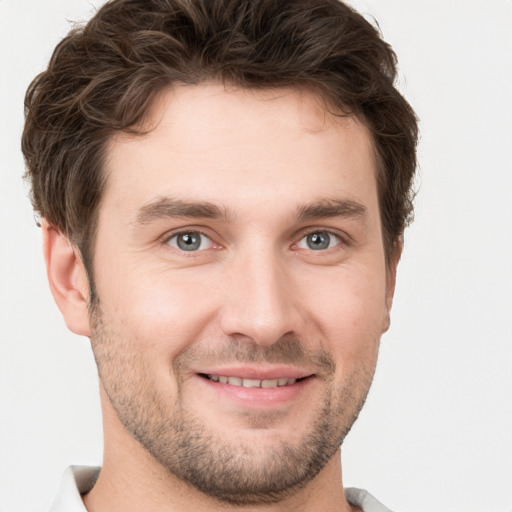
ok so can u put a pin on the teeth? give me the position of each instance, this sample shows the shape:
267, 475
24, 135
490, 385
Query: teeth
252, 383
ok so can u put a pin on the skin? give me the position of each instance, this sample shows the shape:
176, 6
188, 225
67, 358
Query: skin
254, 300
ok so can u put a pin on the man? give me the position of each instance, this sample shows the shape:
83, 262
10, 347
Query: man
223, 188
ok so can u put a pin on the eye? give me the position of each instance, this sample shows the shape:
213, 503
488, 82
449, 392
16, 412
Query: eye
190, 241
319, 241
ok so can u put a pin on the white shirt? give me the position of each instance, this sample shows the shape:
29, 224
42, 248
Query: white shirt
79, 480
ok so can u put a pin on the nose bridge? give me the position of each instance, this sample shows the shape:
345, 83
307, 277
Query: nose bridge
260, 297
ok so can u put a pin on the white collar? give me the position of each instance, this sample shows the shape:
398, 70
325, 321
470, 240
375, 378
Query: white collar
78, 480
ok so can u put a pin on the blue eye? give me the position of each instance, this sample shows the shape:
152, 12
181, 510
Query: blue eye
190, 241
319, 241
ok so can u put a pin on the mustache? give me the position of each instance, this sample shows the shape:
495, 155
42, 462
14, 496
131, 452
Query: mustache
286, 351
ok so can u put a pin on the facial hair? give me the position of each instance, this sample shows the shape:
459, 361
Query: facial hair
230, 470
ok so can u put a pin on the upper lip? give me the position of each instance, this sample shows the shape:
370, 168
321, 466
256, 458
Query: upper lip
258, 373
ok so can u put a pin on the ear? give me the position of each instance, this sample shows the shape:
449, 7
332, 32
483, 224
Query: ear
68, 279
391, 278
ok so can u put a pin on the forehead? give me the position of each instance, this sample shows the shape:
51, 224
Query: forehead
212, 142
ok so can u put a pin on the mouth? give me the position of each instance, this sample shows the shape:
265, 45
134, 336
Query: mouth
254, 383
257, 388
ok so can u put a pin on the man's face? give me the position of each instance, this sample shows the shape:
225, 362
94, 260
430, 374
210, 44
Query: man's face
242, 286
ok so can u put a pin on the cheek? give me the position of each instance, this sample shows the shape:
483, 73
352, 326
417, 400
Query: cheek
164, 312
351, 313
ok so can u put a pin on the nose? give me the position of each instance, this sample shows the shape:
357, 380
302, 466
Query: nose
261, 300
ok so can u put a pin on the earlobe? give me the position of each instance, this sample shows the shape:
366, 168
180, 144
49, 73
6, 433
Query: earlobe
67, 278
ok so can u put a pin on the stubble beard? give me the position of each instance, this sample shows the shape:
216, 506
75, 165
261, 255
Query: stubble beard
232, 472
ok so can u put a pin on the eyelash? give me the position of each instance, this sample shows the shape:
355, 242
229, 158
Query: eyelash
168, 239
341, 240
322, 232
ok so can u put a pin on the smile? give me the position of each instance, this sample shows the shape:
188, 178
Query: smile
253, 383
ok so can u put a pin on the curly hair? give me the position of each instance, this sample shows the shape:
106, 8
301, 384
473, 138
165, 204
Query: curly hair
103, 77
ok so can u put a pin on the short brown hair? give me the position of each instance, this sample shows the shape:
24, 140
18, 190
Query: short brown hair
103, 77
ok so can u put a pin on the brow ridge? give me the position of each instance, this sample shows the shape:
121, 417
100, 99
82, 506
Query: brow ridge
166, 207
326, 208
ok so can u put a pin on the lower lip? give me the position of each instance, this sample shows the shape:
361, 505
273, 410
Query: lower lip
258, 397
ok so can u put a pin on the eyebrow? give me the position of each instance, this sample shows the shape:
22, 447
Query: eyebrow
327, 208
167, 207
